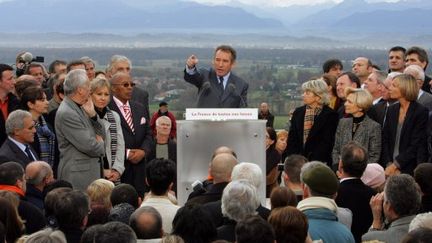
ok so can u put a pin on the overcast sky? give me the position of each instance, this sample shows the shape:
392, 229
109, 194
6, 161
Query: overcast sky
281, 2
260, 2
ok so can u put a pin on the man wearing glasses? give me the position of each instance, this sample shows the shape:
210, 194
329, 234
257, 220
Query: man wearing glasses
135, 127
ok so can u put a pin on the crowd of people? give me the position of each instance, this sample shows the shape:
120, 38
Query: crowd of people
82, 159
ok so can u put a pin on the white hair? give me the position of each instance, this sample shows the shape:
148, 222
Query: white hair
248, 171
423, 220
239, 200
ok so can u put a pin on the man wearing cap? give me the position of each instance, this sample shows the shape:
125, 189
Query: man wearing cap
353, 193
163, 111
320, 186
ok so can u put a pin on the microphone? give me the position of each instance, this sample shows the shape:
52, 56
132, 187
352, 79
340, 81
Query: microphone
205, 88
27, 57
232, 90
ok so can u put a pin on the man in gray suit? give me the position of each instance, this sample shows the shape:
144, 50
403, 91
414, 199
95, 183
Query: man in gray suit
399, 202
424, 98
79, 133
217, 87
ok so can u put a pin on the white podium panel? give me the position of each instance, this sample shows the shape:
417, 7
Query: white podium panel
196, 141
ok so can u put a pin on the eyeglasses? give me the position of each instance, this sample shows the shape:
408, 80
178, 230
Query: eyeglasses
126, 85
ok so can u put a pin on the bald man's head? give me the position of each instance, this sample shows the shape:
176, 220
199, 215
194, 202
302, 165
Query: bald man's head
222, 166
223, 150
39, 173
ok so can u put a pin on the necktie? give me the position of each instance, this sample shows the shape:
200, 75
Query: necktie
128, 117
29, 154
221, 80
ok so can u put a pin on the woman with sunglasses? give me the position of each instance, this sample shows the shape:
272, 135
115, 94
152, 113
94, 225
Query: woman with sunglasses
113, 165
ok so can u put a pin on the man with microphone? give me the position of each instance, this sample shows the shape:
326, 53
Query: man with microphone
217, 87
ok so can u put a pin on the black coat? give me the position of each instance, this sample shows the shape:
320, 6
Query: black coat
9, 151
141, 138
319, 144
215, 211
13, 104
355, 195
413, 138
212, 195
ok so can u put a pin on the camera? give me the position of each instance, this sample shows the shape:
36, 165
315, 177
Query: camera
281, 167
23, 60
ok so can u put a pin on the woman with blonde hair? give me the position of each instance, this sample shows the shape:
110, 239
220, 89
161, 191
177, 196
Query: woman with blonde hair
314, 124
405, 129
99, 192
113, 163
359, 128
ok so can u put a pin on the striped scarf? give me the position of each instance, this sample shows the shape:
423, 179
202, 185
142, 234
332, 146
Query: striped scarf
113, 135
46, 141
309, 120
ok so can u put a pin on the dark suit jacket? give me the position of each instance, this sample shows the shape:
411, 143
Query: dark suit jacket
141, 96
355, 195
172, 150
215, 211
9, 151
378, 111
319, 144
134, 174
413, 138
212, 195
426, 86
210, 95
269, 117
13, 104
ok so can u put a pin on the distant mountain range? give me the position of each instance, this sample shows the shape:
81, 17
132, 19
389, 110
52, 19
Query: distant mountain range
351, 22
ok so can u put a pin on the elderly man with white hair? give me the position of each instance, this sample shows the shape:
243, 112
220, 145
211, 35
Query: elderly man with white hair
79, 133
250, 172
239, 201
424, 98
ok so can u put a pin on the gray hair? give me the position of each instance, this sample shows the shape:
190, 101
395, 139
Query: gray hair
423, 220
43, 171
380, 75
402, 194
416, 71
319, 88
248, 171
15, 120
88, 60
163, 118
239, 200
115, 59
47, 235
392, 75
74, 79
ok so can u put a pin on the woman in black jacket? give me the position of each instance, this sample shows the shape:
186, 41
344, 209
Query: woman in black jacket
405, 129
313, 126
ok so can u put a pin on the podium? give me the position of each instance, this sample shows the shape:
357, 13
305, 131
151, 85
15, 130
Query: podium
197, 139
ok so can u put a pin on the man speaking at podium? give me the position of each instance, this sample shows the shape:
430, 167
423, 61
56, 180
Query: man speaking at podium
217, 87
